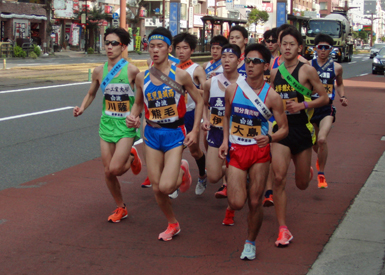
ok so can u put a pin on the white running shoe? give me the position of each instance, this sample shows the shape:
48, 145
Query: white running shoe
201, 186
248, 252
174, 194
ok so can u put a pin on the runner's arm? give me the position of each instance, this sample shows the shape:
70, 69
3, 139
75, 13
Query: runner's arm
200, 74
229, 94
279, 116
132, 120
90, 96
340, 88
316, 83
206, 98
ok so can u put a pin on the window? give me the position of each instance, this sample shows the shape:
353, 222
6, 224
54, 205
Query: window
323, 5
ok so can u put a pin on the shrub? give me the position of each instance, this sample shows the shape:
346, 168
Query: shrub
19, 52
90, 51
36, 50
32, 55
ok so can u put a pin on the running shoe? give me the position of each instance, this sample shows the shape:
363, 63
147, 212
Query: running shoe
229, 218
136, 164
119, 214
284, 237
221, 193
146, 183
248, 252
317, 165
186, 180
201, 186
171, 231
322, 182
174, 194
267, 202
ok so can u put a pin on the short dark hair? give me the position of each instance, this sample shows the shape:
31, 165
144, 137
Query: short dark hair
283, 27
123, 35
162, 31
189, 38
265, 52
293, 32
234, 47
220, 39
323, 38
241, 29
273, 33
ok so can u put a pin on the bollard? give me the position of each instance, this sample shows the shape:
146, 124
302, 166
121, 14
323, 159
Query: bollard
4, 64
89, 74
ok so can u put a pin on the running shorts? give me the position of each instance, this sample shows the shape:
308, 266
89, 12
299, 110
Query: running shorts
245, 156
164, 139
189, 120
298, 139
322, 112
215, 137
113, 129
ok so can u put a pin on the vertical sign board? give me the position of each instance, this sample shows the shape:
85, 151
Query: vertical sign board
369, 7
281, 13
190, 17
174, 11
229, 4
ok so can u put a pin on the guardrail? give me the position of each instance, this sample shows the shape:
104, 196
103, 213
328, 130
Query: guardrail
6, 49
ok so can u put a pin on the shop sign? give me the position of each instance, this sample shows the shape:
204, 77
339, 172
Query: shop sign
63, 9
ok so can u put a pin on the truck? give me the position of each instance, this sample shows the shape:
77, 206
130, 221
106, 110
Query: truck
338, 27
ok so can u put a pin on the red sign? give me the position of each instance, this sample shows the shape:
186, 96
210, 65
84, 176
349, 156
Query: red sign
103, 23
76, 5
268, 7
107, 9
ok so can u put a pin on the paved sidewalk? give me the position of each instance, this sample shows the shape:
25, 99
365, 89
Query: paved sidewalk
358, 245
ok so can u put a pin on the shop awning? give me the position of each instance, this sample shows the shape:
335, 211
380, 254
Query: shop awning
23, 16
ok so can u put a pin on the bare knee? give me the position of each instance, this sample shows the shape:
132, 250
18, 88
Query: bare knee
236, 204
115, 171
255, 202
213, 178
196, 154
166, 189
302, 184
279, 181
321, 142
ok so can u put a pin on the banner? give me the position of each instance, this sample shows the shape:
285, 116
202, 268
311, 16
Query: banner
281, 13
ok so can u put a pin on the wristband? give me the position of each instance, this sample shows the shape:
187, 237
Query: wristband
270, 139
306, 105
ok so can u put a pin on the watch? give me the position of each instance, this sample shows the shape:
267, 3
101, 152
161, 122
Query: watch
270, 139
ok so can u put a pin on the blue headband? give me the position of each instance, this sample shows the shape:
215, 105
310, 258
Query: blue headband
230, 50
160, 37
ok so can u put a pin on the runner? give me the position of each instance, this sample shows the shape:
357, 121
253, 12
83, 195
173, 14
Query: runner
116, 79
271, 42
246, 126
165, 133
184, 45
323, 117
214, 100
238, 36
294, 82
214, 66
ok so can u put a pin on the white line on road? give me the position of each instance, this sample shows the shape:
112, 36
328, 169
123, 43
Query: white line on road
352, 62
363, 74
35, 64
44, 87
37, 113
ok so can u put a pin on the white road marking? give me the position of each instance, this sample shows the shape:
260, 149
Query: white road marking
37, 113
35, 64
352, 62
363, 74
44, 87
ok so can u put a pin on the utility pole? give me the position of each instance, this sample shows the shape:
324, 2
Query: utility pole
371, 28
123, 22
86, 38
164, 13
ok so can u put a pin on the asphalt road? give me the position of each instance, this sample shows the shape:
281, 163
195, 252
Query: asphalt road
42, 144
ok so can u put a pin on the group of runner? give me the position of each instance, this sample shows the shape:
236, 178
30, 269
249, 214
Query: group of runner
257, 108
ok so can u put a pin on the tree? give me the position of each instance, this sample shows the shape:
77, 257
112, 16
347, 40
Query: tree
257, 17
132, 16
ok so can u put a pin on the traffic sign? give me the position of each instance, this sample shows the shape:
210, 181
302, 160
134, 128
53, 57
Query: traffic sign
115, 23
115, 15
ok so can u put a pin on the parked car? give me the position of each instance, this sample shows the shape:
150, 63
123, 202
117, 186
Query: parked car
375, 49
378, 63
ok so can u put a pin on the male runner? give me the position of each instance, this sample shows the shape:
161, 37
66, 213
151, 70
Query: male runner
165, 133
246, 126
294, 81
184, 45
214, 100
116, 140
238, 36
323, 117
214, 66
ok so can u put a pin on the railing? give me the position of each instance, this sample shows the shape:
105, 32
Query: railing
6, 49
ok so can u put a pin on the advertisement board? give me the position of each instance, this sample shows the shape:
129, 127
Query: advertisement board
63, 9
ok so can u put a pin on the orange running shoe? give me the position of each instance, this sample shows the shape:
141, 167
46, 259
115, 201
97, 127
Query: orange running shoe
267, 202
136, 164
221, 193
317, 165
186, 180
172, 230
119, 214
322, 182
146, 183
284, 237
229, 218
